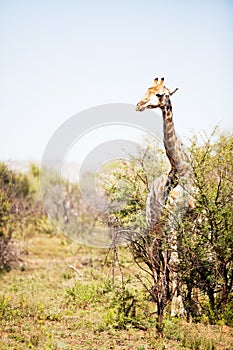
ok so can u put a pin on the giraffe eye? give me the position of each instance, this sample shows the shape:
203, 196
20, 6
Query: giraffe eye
159, 95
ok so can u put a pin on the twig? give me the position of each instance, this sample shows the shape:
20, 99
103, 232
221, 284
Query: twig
76, 270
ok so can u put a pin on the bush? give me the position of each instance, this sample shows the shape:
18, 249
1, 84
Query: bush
15, 203
205, 241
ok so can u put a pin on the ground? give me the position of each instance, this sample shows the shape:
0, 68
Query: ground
62, 298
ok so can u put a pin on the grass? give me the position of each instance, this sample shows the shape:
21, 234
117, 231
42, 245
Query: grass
47, 305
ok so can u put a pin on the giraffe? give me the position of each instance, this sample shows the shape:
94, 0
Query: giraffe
173, 188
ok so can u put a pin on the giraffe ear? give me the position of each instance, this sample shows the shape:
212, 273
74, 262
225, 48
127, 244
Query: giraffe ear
159, 95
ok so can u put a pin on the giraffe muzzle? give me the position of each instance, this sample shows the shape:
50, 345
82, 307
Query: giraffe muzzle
139, 107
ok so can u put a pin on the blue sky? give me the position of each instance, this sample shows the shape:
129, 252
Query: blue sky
61, 57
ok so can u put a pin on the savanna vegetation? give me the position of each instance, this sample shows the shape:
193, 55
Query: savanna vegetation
57, 294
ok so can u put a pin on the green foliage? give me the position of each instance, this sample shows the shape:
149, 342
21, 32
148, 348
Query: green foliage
83, 295
206, 241
122, 312
126, 185
128, 308
205, 234
4, 306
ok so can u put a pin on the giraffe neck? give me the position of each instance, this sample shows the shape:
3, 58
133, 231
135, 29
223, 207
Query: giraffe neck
173, 146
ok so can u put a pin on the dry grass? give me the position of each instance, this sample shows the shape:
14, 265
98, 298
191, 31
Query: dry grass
46, 305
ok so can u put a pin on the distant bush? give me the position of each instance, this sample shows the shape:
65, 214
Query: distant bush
17, 209
14, 189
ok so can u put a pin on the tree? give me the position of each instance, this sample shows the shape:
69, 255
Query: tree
127, 184
206, 241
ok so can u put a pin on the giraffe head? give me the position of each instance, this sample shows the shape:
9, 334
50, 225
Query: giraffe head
156, 96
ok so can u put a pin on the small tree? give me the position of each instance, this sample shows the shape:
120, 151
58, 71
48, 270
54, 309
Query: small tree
127, 184
206, 237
